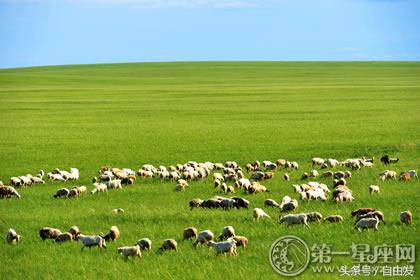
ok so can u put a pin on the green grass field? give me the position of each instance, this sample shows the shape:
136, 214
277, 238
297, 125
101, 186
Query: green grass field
126, 115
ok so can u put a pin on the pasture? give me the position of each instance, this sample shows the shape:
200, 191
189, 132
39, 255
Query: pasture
126, 115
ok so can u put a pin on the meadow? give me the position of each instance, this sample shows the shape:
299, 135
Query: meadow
126, 115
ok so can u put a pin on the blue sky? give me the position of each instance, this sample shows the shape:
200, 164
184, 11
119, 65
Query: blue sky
50, 32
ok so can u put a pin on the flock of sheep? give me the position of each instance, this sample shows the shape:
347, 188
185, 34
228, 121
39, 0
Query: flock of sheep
228, 178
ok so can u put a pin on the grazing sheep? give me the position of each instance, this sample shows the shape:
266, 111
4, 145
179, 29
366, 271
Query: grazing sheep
286, 177
8, 191
240, 202
257, 188
289, 206
63, 237
91, 241
305, 176
190, 233
145, 244
317, 161
168, 244
114, 184
99, 187
37, 180
241, 241
405, 176
388, 174
118, 210
113, 234
74, 192
361, 211
373, 189
12, 237
257, 176
334, 219
259, 214
406, 217
195, 203
294, 219
367, 223
63, 192
271, 203
314, 174
387, 160
227, 232
74, 230
49, 233
327, 174
129, 251
413, 173
342, 194
203, 237
375, 214
224, 247
314, 217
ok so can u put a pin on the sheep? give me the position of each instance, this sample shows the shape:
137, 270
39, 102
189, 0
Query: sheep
224, 247
190, 233
227, 189
373, 189
294, 219
168, 244
195, 203
227, 232
361, 211
387, 160
327, 174
378, 214
56, 177
180, 188
211, 203
243, 183
63, 237
317, 161
91, 240
240, 202
129, 251
74, 192
257, 176
413, 173
289, 206
114, 184
342, 194
332, 162
118, 210
74, 230
334, 219
406, 217
314, 216
367, 223
49, 233
203, 237
37, 180
8, 191
12, 237
314, 174
63, 192
388, 174
145, 244
286, 177
405, 176
16, 182
113, 234
270, 166
227, 203
241, 241
304, 176
271, 203
99, 187
258, 213
257, 188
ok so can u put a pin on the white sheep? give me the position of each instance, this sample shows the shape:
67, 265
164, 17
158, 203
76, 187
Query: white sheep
373, 189
130, 251
367, 223
12, 237
114, 184
227, 232
99, 187
8, 191
228, 246
203, 237
258, 213
294, 219
91, 240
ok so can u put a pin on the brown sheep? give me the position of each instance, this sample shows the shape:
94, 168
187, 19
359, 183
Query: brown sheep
168, 244
334, 219
362, 211
49, 233
405, 176
241, 241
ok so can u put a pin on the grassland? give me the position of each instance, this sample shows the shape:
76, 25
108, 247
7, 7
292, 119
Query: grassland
164, 113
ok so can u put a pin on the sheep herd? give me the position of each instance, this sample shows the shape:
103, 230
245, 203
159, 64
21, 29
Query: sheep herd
227, 178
